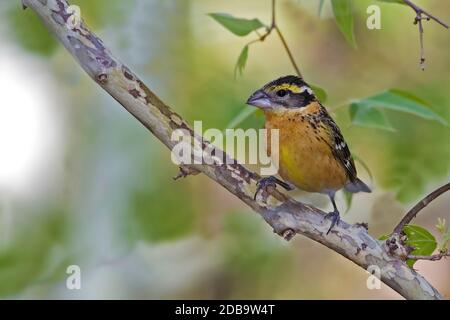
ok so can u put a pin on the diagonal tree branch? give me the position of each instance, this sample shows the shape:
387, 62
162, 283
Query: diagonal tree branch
285, 215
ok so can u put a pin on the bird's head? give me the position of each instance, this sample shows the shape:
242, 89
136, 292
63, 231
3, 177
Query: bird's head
289, 92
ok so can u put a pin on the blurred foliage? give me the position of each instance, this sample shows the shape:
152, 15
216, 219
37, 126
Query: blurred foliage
253, 256
241, 62
368, 111
22, 22
41, 41
393, 1
29, 258
343, 13
157, 215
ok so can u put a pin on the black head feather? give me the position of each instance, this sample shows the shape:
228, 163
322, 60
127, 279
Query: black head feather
291, 79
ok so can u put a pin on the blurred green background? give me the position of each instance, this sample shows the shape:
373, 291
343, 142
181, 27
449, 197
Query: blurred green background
82, 182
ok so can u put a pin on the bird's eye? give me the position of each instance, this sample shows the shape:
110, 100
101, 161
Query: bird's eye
281, 93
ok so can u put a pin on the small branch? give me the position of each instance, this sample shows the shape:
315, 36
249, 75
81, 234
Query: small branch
274, 26
434, 257
288, 51
283, 40
261, 37
418, 21
274, 5
411, 214
419, 12
420, 16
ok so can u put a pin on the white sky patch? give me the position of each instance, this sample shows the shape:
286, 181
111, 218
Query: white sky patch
30, 129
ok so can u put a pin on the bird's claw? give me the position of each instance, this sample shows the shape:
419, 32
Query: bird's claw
335, 218
271, 181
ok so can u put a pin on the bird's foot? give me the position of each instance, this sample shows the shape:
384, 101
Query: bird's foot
335, 218
271, 181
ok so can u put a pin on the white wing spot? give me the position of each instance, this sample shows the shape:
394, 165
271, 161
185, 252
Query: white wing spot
341, 145
347, 163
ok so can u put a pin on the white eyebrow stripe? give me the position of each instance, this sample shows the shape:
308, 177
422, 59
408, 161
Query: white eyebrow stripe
307, 89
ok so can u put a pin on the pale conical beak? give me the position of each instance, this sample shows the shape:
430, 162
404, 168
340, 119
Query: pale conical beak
260, 99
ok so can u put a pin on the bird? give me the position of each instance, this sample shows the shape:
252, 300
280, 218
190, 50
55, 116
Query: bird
313, 155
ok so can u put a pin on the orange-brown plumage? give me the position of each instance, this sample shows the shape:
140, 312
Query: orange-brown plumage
305, 157
312, 152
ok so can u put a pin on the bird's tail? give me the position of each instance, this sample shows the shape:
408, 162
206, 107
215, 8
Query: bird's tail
357, 186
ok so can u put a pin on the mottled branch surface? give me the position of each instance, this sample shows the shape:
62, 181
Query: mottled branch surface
286, 216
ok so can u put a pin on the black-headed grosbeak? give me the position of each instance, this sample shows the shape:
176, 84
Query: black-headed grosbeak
313, 154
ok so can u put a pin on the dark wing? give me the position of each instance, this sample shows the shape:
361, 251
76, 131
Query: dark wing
340, 148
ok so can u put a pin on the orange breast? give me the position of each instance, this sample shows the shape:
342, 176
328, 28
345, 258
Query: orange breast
305, 156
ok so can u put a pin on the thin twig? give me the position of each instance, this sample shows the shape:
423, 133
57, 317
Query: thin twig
274, 7
420, 16
420, 11
288, 51
274, 26
418, 21
434, 257
419, 206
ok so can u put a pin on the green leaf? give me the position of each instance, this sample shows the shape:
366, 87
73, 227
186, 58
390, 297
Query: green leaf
343, 14
239, 26
365, 115
320, 93
421, 239
241, 61
393, 99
